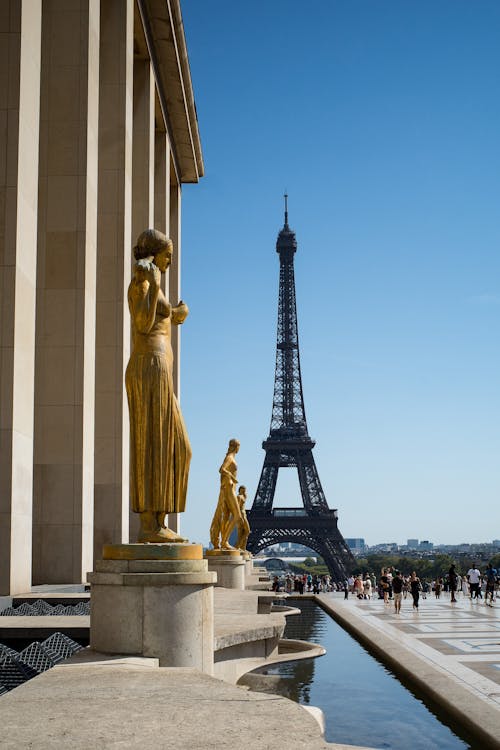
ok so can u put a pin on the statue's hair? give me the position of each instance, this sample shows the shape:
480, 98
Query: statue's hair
232, 444
150, 242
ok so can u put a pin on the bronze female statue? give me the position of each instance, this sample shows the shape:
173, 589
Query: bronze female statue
160, 452
228, 513
243, 525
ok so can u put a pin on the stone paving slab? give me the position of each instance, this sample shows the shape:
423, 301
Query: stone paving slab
451, 652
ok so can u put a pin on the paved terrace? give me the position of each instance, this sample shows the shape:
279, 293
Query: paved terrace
103, 702
451, 652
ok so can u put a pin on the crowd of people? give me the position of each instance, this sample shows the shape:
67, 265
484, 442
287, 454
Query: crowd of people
305, 583
394, 586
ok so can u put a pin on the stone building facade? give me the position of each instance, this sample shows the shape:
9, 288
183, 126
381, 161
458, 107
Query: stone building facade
98, 132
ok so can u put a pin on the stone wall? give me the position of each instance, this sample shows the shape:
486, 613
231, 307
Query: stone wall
98, 132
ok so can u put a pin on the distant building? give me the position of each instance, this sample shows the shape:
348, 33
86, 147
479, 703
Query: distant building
356, 544
496, 542
412, 543
425, 544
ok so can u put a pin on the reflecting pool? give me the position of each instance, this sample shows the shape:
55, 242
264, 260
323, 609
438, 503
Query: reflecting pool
363, 703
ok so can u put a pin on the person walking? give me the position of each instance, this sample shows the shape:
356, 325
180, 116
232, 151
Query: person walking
397, 589
367, 585
490, 575
438, 585
474, 578
384, 585
465, 586
415, 589
452, 577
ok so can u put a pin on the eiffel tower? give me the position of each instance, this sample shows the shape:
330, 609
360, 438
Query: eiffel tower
289, 444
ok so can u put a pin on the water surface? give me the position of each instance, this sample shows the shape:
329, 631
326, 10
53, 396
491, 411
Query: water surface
363, 703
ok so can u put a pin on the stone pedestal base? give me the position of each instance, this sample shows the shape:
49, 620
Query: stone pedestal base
249, 567
154, 601
230, 570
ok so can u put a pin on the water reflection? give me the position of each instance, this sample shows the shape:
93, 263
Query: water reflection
297, 677
363, 703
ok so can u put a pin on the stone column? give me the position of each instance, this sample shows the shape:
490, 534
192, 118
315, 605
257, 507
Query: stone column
175, 275
114, 242
143, 147
20, 38
162, 192
174, 296
162, 183
63, 486
143, 162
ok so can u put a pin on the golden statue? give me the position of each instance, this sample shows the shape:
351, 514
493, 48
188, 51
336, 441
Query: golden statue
243, 525
160, 452
227, 513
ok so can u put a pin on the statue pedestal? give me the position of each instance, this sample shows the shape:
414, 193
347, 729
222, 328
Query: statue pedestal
249, 567
229, 566
154, 600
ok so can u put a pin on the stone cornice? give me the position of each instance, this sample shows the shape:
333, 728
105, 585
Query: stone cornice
164, 33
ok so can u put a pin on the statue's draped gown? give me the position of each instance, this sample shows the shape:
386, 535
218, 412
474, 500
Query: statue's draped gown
227, 497
160, 452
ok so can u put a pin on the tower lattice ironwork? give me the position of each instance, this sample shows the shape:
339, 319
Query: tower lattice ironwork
289, 444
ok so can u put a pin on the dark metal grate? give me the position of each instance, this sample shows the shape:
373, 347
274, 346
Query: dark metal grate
37, 657
60, 645
6, 651
40, 608
13, 672
16, 668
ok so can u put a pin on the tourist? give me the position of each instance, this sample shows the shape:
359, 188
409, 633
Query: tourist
490, 575
358, 587
474, 578
438, 585
415, 589
367, 585
397, 587
384, 586
465, 586
346, 589
406, 586
452, 578
389, 581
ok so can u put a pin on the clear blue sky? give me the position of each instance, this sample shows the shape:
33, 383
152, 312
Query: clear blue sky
382, 120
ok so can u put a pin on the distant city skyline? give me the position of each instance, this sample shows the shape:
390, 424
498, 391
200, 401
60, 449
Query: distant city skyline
382, 121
